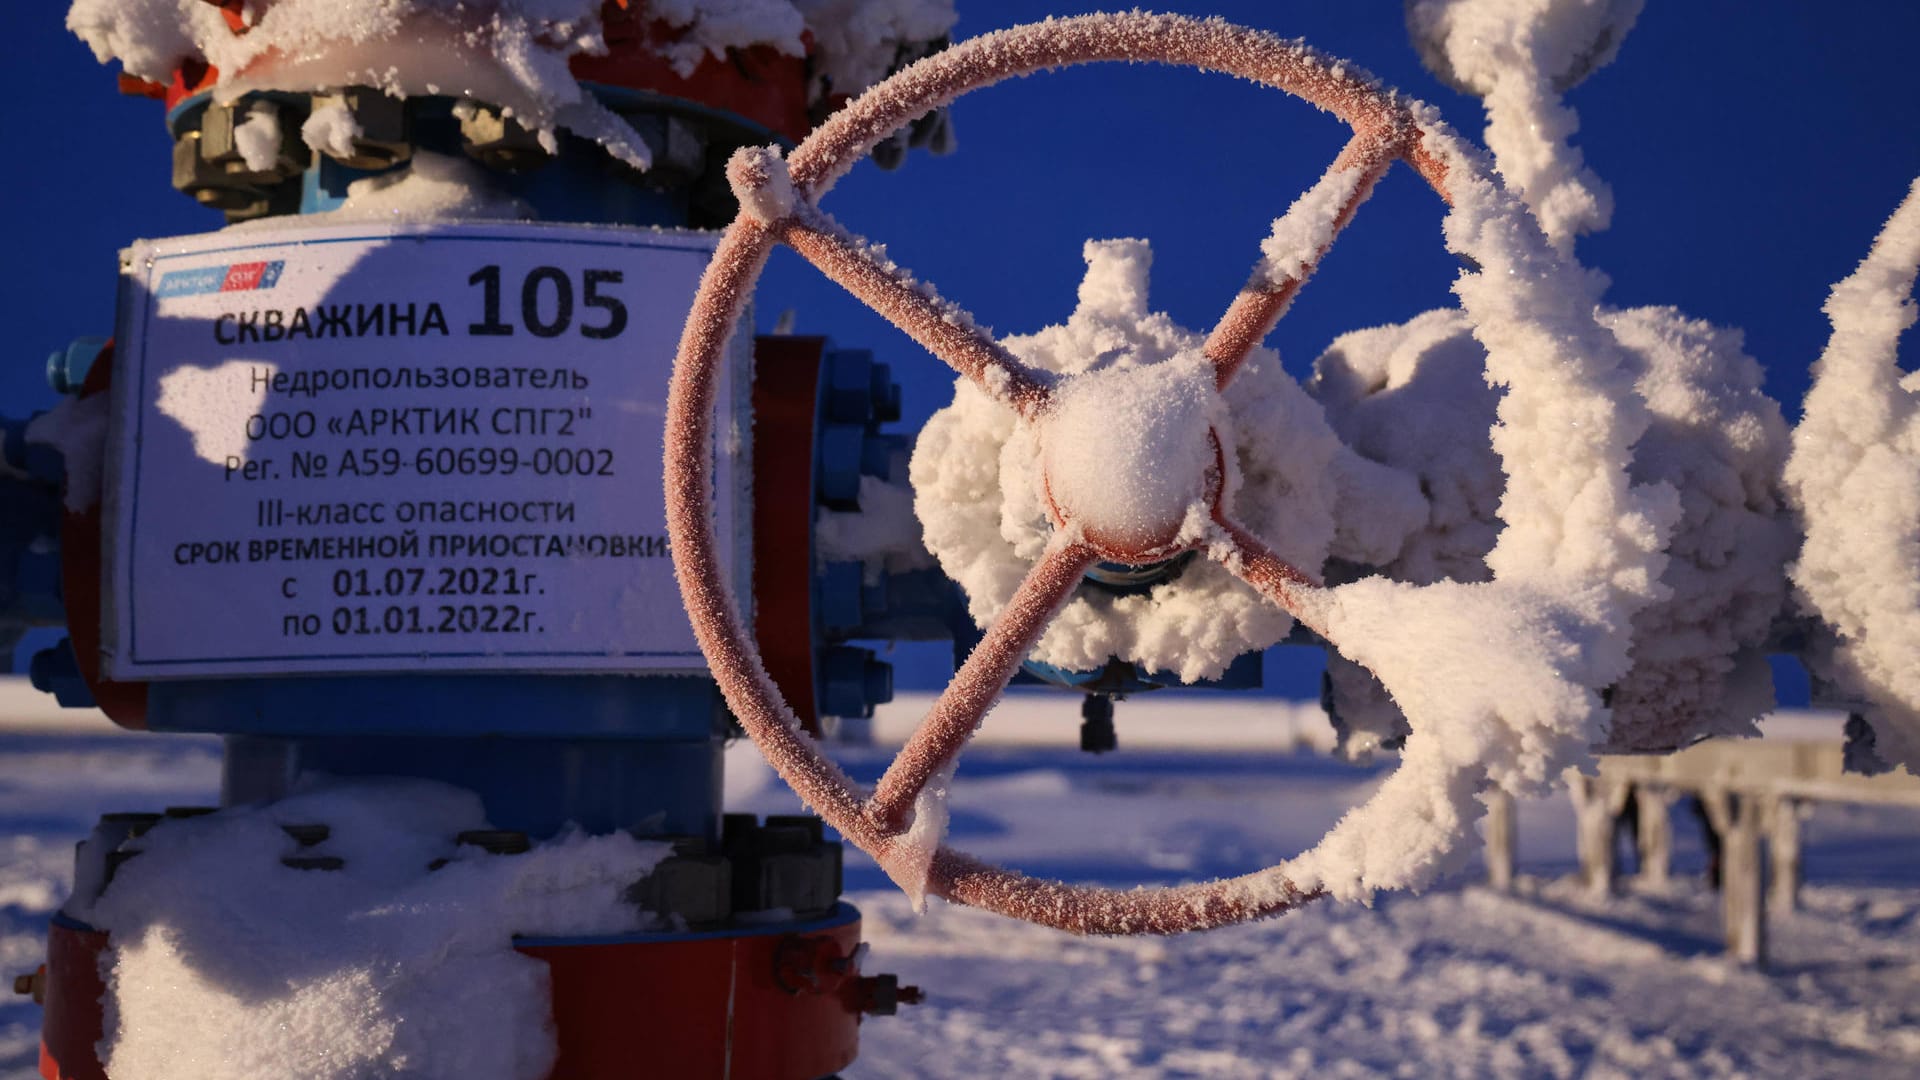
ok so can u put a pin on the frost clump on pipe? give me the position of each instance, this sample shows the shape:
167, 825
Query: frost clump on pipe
1134, 490
980, 498
1520, 56
258, 138
1413, 397
1855, 475
227, 964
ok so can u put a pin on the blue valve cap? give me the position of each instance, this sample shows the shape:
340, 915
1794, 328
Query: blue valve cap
68, 368
54, 671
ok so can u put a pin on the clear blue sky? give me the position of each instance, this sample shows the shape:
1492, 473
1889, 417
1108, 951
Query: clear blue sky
1754, 147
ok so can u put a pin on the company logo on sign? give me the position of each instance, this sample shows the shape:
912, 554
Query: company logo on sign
238, 277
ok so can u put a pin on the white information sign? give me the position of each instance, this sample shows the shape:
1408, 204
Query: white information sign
408, 448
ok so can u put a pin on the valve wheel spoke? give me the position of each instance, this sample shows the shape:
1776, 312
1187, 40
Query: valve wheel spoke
944, 732
940, 326
1265, 298
1285, 585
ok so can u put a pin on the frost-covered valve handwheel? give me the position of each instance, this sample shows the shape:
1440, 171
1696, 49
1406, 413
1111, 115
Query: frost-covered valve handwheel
1135, 469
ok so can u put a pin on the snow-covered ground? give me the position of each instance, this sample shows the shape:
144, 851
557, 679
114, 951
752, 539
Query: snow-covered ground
1457, 982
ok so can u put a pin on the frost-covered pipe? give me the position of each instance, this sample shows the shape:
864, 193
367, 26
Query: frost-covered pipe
1855, 478
1520, 56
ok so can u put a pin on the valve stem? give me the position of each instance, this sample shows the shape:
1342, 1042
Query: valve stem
1096, 724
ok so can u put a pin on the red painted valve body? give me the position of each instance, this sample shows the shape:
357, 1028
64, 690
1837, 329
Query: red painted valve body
770, 1006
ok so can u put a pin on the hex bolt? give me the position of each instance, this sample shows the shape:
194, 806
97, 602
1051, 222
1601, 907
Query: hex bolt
55, 671
840, 451
386, 128
853, 681
696, 888
815, 828
847, 396
130, 823
785, 864
886, 394
115, 860
838, 590
220, 142
307, 835
737, 828
882, 995
498, 141
684, 155
496, 841
877, 682
681, 844
207, 183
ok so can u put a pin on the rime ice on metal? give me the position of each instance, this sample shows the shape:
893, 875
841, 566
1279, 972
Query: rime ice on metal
1855, 475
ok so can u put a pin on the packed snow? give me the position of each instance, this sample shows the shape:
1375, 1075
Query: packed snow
1855, 476
883, 534
258, 137
228, 963
429, 187
1520, 56
331, 129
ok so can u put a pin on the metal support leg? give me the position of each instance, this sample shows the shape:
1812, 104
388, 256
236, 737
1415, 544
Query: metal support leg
1500, 840
1783, 850
1597, 804
1655, 830
1743, 900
